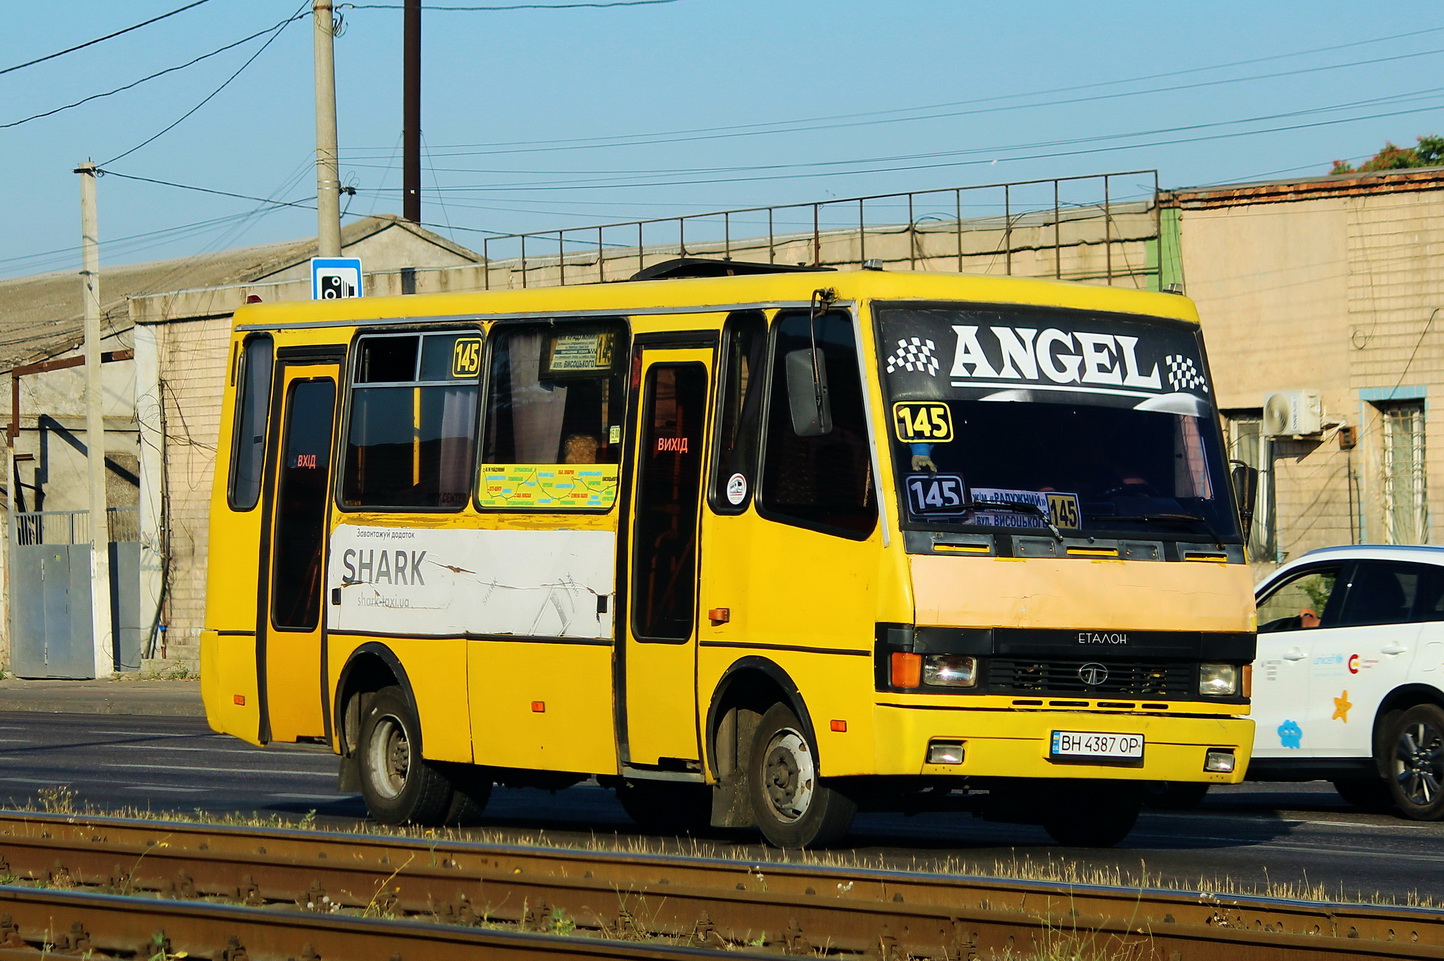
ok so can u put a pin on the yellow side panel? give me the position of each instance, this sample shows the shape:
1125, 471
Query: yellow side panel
1077, 593
1015, 743
834, 687
783, 585
787, 587
660, 697
571, 683
436, 670
228, 673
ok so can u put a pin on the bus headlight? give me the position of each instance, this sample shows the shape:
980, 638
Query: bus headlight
1217, 680
950, 670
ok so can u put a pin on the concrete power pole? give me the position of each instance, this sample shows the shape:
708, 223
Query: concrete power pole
100, 617
328, 172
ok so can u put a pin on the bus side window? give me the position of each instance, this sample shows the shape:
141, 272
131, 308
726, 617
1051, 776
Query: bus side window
739, 413
821, 482
554, 396
253, 408
411, 439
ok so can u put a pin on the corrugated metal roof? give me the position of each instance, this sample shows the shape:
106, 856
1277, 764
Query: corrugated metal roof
42, 315
1354, 184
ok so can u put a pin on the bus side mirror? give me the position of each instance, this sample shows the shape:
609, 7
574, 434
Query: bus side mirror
1245, 491
807, 393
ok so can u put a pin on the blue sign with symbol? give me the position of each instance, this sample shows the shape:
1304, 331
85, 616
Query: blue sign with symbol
333, 278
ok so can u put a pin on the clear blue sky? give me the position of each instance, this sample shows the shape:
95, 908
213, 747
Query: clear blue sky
537, 119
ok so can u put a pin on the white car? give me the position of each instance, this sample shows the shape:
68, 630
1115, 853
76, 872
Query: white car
1348, 681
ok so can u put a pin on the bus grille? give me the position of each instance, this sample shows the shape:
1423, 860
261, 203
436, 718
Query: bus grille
1125, 678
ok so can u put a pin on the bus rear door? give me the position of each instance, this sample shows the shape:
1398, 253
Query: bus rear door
659, 663
298, 502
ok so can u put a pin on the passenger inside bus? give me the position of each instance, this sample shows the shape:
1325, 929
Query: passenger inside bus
580, 449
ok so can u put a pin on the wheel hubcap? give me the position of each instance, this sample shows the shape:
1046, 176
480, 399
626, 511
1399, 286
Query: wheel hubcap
788, 774
1419, 763
390, 757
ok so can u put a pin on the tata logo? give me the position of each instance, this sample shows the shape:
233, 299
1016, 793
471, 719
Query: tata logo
1093, 674
1059, 356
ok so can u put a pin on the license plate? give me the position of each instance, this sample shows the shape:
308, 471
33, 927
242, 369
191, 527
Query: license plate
1093, 744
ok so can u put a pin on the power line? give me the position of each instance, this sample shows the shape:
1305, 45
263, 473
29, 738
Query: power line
889, 116
252, 59
108, 36
965, 163
611, 180
205, 190
514, 6
137, 83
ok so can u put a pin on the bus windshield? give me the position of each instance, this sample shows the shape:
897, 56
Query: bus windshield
1063, 422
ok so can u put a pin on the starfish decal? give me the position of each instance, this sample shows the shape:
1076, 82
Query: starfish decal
1341, 708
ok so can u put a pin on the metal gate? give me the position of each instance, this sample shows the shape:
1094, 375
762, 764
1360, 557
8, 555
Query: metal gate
50, 629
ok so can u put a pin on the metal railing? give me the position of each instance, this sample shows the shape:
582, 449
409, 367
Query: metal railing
1022, 227
33, 528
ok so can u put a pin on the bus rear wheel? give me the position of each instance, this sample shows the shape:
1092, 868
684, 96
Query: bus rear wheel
398, 785
794, 807
1093, 814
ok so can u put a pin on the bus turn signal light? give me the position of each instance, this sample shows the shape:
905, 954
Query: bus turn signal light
239, 699
907, 669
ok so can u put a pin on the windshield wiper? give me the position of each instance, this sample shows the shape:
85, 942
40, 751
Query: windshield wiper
1018, 507
1168, 518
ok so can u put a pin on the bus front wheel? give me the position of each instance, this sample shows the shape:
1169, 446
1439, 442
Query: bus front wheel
399, 787
794, 807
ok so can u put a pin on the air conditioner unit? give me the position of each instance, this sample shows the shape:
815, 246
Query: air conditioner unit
1292, 413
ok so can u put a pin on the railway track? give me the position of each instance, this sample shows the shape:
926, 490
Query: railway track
298, 894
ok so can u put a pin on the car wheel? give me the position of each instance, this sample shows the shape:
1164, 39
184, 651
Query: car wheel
794, 807
398, 785
1094, 814
1415, 765
667, 807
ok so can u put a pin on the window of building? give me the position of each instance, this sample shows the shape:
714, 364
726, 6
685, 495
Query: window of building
554, 416
1406, 507
824, 481
411, 435
253, 408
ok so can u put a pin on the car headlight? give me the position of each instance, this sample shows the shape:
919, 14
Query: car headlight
1217, 680
950, 670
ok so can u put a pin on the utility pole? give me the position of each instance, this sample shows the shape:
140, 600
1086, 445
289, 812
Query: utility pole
411, 113
328, 172
102, 633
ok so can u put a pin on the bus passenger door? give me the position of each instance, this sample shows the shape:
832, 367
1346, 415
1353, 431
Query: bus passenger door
659, 659
298, 503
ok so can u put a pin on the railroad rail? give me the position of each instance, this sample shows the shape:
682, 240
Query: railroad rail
300, 885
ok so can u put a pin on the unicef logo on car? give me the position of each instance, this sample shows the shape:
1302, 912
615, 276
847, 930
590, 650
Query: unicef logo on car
1093, 674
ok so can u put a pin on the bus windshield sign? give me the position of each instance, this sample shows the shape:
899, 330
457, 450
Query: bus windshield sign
1023, 417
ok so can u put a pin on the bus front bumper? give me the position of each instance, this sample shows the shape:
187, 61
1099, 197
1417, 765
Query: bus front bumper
984, 743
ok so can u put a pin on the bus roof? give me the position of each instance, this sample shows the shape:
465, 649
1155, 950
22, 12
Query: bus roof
784, 288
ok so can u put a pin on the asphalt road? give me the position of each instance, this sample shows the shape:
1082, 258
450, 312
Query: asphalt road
1288, 840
